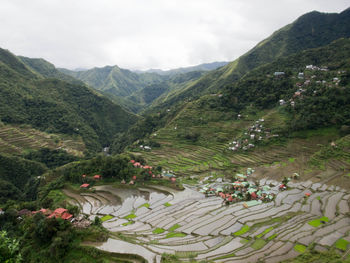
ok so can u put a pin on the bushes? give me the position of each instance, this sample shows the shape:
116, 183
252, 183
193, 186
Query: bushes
51, 158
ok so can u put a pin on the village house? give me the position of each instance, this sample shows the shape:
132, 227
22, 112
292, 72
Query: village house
61, 213
278, 73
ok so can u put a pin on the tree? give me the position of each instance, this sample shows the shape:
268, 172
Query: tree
9, 249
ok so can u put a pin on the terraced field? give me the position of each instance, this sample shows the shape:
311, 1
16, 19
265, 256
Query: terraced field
151, 222
16, 139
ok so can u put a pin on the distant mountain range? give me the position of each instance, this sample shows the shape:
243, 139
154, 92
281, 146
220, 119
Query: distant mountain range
200, 67
127, 87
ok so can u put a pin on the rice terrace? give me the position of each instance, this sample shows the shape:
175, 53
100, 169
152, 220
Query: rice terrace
175, 131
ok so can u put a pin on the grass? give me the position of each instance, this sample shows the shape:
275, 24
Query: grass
57, 197
147, 205
177, 234
265, 232
272, 237
291, 160
341, 244
106, 217
158, 231
131, 216
173, 228
258, 244
243, 230
167, 204
128, 223
317, 222
299, 248
226, 256
244, 241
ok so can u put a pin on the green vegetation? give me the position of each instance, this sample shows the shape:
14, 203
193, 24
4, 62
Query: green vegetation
56, 106
158, 231
226, 256
9, 249
265, 232
291, 39
106, 217
167, 204
244, 241
243, 230
177, 234
51, 158
25, 183
173, 228
128, 223
130, 216
299, 248
147, 205
342, 244
318, 222
272, 237
258, 244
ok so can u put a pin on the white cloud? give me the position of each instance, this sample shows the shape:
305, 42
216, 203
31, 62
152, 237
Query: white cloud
144, 34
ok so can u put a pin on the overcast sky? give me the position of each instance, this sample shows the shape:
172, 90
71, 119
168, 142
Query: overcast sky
143, 34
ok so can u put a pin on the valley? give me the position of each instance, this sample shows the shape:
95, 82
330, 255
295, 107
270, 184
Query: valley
241, 161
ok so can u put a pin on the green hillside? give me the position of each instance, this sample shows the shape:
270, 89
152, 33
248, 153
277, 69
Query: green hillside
47, 70
196, 137
311, 30
56, 106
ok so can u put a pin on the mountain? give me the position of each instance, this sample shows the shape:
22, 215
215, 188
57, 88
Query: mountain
114, 80
319, 95
311, 30
200, 67
156, 92
47, 70
56, 106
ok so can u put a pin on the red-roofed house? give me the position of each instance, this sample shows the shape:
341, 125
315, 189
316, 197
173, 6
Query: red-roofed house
132, 161
84, 186
97, 177
134, 178
137, 164
61, 213
173, 179
66, 216
253, 195
84, 175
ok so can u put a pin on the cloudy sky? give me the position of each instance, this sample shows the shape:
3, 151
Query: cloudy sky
143, 34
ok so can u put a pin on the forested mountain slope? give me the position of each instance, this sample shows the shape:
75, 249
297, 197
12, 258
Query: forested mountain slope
311, 30
57, 106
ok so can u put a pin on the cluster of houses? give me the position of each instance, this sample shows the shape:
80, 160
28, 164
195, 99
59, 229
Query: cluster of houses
304, 82
86, 185
241, 190
255, 133
57, 213
149, 169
